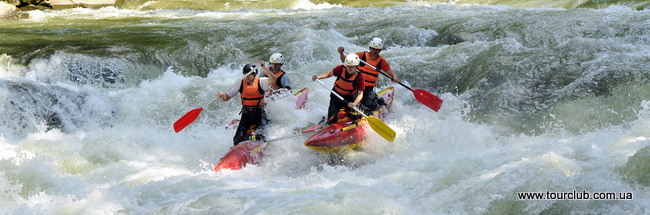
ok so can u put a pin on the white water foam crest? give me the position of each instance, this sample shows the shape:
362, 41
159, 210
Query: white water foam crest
104, 13
308, 5
9, 68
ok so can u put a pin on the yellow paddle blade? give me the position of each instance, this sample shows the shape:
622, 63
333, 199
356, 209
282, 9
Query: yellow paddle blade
381, 128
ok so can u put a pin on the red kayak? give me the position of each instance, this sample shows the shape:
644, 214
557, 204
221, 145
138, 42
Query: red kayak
247, 152
346, 134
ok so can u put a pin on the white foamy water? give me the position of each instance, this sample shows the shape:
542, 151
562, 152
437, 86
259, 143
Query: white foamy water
86, 133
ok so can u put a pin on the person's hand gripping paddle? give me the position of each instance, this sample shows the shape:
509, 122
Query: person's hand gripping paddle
376, 124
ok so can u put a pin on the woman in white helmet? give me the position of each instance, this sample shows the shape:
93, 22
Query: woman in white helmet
370, 99
283, 80
349, 84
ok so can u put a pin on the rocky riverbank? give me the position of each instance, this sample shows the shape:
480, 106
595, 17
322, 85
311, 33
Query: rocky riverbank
7, 11
11, 9
61, 4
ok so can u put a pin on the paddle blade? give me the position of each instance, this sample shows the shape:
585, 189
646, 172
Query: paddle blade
427, 99
381, 128
188, 118
315, 127
301, 98
312, 128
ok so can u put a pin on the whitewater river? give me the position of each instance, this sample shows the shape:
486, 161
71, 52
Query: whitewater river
546, 110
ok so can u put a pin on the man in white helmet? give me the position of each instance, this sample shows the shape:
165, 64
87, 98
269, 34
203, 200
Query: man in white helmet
349, 84
283, 80
370, 99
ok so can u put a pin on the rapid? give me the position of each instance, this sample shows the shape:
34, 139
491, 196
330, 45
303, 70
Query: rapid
537, 99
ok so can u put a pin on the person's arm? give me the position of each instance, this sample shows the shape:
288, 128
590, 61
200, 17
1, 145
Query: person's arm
322, 76
392, 75
223, 96
286, 81
360, 85
388, 70
357, 100
341, 55
230, 93
336, 71
271, 77
265, 83
261, 64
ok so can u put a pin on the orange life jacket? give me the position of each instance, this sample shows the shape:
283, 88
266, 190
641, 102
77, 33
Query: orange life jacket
278, 76
371, 75
252, 95
345, 86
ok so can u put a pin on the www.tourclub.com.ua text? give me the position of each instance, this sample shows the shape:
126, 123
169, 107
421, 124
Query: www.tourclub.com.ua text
575, 195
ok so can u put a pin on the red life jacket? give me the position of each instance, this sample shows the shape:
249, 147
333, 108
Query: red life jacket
371, 75
252, 95
345, 86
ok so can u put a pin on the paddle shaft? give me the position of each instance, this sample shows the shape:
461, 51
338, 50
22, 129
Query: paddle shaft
287, 137
266, 142
380, 71
422, 96
231, 86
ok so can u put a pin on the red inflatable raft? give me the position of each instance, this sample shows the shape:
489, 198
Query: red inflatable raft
247, 152
347, 134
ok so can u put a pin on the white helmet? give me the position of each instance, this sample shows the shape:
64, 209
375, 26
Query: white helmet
376, 43
277, 58
352, 60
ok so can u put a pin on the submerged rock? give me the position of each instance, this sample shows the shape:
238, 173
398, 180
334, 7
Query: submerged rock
8, 11
637, 167
33, 4
32, 106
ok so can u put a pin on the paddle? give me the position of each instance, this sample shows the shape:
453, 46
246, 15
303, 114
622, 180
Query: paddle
315, 127
287, 137
190, 116
376, 124
421, 95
